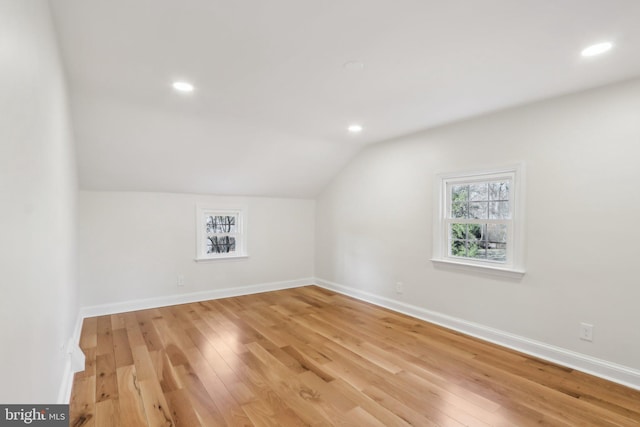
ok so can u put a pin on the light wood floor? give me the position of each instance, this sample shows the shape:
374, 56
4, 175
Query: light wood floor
308, 356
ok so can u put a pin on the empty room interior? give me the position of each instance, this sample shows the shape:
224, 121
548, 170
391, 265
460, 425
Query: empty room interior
295, 212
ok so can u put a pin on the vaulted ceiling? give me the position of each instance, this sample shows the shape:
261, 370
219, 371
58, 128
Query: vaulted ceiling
277, 82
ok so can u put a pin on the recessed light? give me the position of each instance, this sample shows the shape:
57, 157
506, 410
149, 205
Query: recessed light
597, 49
183, 86
354, 128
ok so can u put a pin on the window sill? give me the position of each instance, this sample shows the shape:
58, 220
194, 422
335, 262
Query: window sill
512, 273
222, 258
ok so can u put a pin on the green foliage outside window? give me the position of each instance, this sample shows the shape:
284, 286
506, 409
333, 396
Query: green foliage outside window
478, 201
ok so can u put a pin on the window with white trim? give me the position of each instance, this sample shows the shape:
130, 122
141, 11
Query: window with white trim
479, 221
221, 233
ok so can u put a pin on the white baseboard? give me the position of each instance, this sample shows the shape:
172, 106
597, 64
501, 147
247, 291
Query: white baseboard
64, 393
74, 362
617, 373
155, 302
75, 356
601, 368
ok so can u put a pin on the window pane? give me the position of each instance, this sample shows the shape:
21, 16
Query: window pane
458, 248
476, 232
499, 210
459, 209
221, 244
459, 199
229, 244
478, 210
468, 249
479, 217
220, 224
476, 249
497, 233
499, 190
497, 252
458, 231
209, 221
478, 192
460, 192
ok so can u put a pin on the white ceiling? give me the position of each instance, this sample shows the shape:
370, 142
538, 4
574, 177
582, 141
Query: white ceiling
272, 99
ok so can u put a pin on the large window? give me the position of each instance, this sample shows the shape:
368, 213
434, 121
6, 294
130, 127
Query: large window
221, 233
479, 220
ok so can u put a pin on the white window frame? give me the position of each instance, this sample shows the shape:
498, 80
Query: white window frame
201, 233
514, 265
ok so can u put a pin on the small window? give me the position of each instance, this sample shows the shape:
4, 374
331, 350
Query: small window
221, 233
479, 220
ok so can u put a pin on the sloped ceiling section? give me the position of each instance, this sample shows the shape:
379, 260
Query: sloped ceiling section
273, 98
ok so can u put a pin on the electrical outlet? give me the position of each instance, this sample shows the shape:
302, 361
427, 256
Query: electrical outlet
586, 332
180, 280
399, 287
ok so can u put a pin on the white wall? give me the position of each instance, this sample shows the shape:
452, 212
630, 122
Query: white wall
132, 245
37, 207
374, 221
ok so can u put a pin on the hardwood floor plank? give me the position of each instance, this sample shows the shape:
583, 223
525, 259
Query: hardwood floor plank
206, 410
240, 392
259, 386
311, 357
181, 410
130, 320
405, 412
270, 332
359, 417
122, 348
458, 408
145, 368
378, 411
548, 401
106, 378
326, 392
224, 401
155, 404
82, 405
165, 371
224, 331
261, 414
521, 415
89, 363
105, 337
266, 395
108, 413
307, 362
389, 390
174, 340
134, 334
118, 321
211, 355
348, 342
130, 397
547, 374
148, 330
301, 399
89, 333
